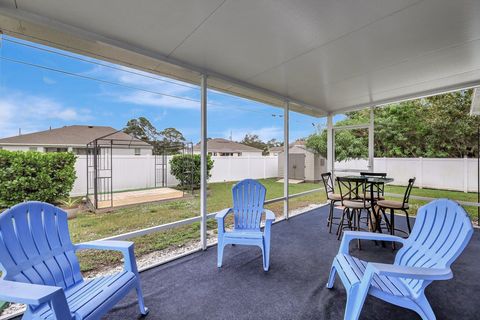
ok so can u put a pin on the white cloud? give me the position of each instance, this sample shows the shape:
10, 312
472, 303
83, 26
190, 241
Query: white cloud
48, 80
265, 133
149, 85
31, 113
152, 99
46, 108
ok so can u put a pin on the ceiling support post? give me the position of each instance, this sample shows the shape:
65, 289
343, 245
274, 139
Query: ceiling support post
286, 162
203, 157
330, 144
371, 141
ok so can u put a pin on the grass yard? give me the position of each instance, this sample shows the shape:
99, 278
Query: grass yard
435, 193
90, 226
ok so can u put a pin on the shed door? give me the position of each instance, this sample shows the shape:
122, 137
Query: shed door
297, 166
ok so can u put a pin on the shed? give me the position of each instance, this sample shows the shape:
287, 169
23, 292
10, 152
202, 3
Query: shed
304, 163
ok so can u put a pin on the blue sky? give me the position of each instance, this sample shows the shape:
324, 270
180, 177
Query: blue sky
34, 99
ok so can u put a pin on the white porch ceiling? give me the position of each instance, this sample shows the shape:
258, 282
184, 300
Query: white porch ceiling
324, 56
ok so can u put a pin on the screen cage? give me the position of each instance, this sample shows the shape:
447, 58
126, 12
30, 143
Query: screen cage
104, 153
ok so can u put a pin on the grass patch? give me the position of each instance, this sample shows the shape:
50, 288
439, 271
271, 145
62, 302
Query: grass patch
435, 193
90, 226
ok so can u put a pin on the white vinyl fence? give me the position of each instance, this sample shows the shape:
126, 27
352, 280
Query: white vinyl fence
138, 172
438, 173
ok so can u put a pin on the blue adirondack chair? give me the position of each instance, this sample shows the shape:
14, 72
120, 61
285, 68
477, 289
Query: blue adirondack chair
40, 269
442, 231
248, 199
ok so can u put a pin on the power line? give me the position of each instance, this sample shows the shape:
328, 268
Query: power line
98, 63
120, 69
29, 64
94, 79
10, 31
115, 68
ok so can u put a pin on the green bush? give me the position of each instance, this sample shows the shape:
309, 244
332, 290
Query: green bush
35, 176
181, 167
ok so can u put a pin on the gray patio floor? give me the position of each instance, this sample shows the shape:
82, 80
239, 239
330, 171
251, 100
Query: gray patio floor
302, 251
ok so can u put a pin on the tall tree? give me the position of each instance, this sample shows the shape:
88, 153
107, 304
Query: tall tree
142, 129
436, 127
253, 140
172, 140
169, 140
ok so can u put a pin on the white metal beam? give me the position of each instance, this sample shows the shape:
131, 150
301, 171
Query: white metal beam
371, 140
330, 145
419, 95
352, 126
286, 162
203, 170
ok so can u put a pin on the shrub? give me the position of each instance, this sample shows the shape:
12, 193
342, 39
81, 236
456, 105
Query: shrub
181, 167
35, 176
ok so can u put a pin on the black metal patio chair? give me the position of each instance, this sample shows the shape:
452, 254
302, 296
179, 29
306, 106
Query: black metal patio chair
332, 197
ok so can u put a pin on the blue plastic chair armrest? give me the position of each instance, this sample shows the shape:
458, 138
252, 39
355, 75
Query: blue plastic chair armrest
125, 247
269, 215
412, 272
26, 293
222, 214
353, 235
122, 246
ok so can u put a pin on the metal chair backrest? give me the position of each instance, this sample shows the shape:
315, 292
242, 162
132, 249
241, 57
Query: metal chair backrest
378, 188
441, 232
35, 246
328, 183
350, 187
406, 197
248, 199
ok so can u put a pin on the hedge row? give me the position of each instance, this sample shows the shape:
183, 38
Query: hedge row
38, 176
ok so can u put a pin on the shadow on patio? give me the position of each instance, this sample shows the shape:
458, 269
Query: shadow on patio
302, 251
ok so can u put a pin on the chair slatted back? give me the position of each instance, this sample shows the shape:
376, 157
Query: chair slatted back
328, 182
406, 196
441, 232
248, 199
378, 188
349, 188
35, 246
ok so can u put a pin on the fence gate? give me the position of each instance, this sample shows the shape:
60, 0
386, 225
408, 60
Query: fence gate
99, 175
161, 170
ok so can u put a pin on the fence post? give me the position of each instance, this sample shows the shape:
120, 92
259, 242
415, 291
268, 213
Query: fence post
465, 174
420, 172
264, 167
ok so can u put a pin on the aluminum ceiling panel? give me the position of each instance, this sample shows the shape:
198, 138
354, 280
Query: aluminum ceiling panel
248, 37
332, 55
149, 24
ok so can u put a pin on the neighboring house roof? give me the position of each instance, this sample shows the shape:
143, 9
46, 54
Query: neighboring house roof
297, 143
224, 145
276, 149
70, 136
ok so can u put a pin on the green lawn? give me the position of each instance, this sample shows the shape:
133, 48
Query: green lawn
89, 226
435, 193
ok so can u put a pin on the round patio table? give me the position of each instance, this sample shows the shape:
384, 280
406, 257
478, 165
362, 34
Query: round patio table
372, 181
